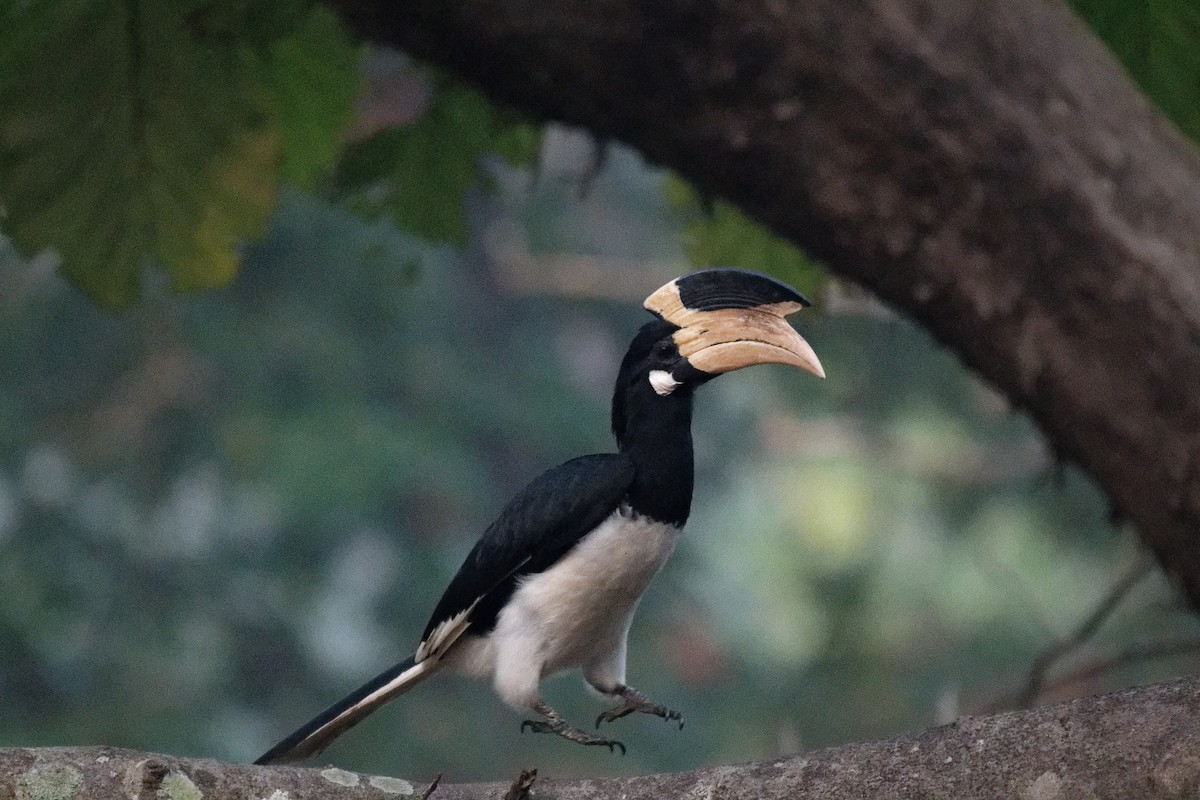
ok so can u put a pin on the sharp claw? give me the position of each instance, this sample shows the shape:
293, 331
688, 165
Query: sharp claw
608, 716
668, 714
612, 745
612, 714
572, 734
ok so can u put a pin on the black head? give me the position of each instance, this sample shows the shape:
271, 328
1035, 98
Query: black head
653, 374
708, 323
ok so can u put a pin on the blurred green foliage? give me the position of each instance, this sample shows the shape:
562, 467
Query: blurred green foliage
157, 131
1159, 43
158, 134
716, 232
421, 171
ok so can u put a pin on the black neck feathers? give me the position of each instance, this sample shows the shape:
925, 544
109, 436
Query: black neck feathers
655, 431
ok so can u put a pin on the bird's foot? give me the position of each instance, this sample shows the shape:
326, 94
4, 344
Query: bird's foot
632, 700
554, 723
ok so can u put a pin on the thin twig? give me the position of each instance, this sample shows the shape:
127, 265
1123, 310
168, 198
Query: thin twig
520, 786
1133, 655
432, 786
1052, 654
601, 148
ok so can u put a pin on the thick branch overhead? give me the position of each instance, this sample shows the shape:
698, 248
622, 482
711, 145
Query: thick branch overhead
984, 165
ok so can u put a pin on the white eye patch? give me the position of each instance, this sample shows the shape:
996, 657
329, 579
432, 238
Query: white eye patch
663, 382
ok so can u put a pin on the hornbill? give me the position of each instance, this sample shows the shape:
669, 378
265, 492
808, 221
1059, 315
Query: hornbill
553, 583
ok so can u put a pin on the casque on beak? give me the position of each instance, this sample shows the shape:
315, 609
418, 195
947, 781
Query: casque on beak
734, 318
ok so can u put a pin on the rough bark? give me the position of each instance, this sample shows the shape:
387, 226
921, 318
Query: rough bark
984, 165
1141, 743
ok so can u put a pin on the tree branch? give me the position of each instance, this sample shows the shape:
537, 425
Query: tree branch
984, 165
1143, 743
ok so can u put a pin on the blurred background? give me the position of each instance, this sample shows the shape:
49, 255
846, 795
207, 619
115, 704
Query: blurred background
221, 512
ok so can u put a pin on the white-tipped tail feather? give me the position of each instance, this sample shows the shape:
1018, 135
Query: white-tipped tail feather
444, 635
315, 735
322, 729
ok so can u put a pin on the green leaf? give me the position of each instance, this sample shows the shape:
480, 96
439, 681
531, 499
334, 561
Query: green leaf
125, 138
1158, 41
429, 165
718, 234
312, 78
517, 142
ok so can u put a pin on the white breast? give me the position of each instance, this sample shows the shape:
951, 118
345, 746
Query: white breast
575, 613
582, 605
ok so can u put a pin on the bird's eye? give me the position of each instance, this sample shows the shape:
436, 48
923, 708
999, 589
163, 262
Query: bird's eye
663, 348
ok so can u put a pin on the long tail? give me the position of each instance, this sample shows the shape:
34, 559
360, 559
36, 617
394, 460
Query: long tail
316, 734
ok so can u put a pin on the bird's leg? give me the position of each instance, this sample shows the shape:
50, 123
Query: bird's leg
632, 700
554, 723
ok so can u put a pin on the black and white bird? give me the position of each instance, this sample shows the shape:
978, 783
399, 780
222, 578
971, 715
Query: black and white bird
553, 583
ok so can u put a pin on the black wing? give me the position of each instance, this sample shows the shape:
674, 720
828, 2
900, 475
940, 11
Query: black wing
537, 528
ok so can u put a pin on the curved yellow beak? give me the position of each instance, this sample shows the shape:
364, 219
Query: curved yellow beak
719, 334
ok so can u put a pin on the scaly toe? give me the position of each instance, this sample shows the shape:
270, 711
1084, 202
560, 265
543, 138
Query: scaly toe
613, 714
